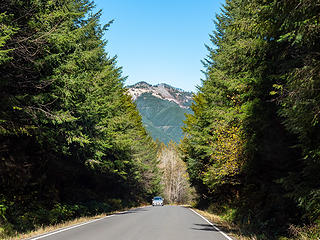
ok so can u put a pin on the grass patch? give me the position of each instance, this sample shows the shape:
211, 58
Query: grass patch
311, 232
224, 223
46, 229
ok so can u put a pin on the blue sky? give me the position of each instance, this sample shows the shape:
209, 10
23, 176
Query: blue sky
160, 41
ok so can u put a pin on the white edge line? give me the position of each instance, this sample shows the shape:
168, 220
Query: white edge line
229, 238
78, 225
68, 228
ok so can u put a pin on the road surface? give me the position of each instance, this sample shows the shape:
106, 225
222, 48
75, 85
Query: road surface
148, 223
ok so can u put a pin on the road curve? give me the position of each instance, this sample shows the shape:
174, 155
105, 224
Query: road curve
148, 223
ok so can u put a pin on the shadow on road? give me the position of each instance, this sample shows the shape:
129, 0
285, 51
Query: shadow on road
136, 210
229, 229
203, 227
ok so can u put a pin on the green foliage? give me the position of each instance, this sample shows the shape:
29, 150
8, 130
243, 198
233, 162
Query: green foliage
311, 232
163, 119
69, 132
6, 31
227, 158
262, 77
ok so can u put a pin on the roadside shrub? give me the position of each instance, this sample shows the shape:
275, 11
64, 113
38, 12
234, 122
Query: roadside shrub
306, 232
115, 203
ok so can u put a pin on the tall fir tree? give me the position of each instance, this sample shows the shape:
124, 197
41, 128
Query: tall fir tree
259, 97
69, 131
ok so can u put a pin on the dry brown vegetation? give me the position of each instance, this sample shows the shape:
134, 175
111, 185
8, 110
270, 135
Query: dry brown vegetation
43, 230
228, 228
296, 233
176, 187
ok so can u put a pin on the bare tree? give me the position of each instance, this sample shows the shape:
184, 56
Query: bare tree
175, 177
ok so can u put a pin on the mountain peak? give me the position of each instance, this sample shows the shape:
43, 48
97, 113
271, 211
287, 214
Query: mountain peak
141, 85
162, 91
162, 108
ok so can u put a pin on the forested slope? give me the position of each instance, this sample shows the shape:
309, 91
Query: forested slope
162, 108
71, 141
162, 118
253, 147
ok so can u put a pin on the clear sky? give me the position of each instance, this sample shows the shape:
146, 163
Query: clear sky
160, 41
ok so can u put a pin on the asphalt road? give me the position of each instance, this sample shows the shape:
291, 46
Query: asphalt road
148, 223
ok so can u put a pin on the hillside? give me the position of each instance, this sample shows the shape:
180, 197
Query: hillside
162, 108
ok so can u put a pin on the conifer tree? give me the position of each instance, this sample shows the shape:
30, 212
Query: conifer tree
261, 81
69, 131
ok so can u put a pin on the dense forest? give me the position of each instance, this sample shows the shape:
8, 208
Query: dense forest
253, 143
71, 140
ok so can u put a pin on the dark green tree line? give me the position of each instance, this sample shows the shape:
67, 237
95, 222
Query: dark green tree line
260, 98
72, 142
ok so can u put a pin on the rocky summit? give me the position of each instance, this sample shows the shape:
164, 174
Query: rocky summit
162, 108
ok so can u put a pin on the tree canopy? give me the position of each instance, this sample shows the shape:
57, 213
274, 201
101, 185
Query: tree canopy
72, 142
253, 141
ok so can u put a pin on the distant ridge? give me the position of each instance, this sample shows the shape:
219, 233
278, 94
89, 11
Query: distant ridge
162, 108
162, 91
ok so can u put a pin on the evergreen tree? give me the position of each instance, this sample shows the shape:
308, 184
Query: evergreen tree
296, 91
69, 131
259, 105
